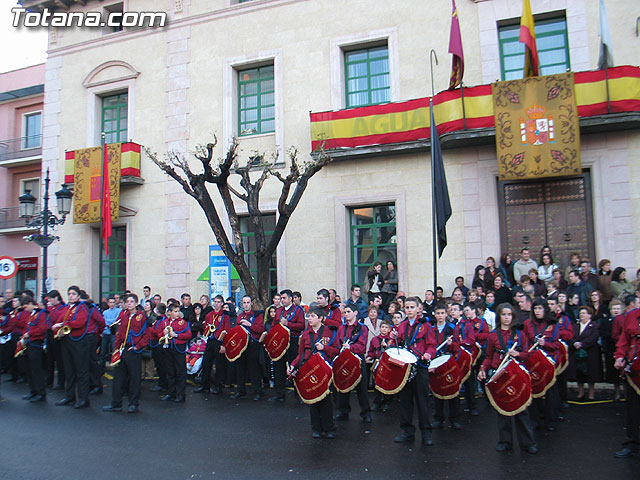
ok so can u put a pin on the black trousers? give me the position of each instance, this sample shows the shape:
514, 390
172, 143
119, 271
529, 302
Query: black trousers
280, 367
95, 372
77, 358
344, 399
524, 430
546, 410
176, 371
17, 367
416, 391
322, 415
212, 356
454, 408
470, 389
633, 417
129, 369
36, 372
248, 365
160, 361
561, 381
54, 352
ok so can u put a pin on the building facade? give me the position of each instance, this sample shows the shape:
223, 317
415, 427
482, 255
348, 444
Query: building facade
255, 69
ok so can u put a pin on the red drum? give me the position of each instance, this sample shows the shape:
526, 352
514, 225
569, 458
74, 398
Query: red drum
446, 378
20, 348
563, 358
465, 362
313, 379
116, 357
509, 389
542, 369
347, 371
476, 350
276, 343
235, 342
394, 370
632, 372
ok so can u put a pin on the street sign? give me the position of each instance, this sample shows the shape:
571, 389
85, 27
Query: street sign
8, 268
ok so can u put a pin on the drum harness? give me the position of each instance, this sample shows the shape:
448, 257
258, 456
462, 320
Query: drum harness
506, 347
313, 349
413, 333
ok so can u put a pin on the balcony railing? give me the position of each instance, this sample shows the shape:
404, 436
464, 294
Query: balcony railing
10, 218
23, 147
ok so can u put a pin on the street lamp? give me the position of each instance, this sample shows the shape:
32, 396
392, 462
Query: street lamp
44, 219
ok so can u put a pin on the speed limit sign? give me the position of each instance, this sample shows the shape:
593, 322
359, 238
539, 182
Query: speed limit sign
8, 268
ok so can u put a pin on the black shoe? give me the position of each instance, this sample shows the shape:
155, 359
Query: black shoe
158, 388
426, 439
216, 390
96, 391
331, 435
201, 390
366, 418
564, 406
404, 438
456, 425
341, 417
436, 424
38, 398
28, 396
65, 401
257, 397
133, 409
167, 397
532, 449
276, 398
474, 412
21, 380
238, 395
111, 408
180, 399
316, 435
82, 404
503, 447
58, 387
626, 452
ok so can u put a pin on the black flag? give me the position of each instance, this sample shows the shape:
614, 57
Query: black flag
440, 190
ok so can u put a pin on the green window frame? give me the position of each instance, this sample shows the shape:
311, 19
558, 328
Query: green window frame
552, 42
114, 265
372, 238
366, 73
256, 101
114, 119
248, 235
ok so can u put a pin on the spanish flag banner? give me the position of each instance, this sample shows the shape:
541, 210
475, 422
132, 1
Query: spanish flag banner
130, 161
537, 127
88, 183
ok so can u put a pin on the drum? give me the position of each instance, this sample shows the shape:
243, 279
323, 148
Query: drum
313, 379
563, 358
476, 350
347, 371
542, 369
632, 372
465, 362
235, 342
276, 343
446, 377
509, 389
116, 356
394, 370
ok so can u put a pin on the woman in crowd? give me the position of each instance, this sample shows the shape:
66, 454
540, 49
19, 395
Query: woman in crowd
502, 292
506, 268
546, 268
478, 277
490, 300
490, 272
636, 282
620, 286
197, 321
600, 309
611, 375
205, 302
573, 306
149, 311
559, 278
375, 280
538, 285
604, 279
585, 364
390, 284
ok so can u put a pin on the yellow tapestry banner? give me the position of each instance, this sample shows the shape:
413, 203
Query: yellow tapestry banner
537, 127
88, 183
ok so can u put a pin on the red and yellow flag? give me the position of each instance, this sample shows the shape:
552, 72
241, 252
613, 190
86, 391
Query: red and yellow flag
106, 201
528, 37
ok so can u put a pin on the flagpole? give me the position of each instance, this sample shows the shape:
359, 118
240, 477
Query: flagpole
102, 145
464, 114
432, 55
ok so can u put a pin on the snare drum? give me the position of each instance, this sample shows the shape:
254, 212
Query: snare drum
509, 389
446, 377
397, 366
542, 369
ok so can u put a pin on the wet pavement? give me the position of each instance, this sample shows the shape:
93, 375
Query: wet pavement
216, 437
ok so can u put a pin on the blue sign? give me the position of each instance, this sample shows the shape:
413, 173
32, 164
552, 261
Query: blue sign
219, 273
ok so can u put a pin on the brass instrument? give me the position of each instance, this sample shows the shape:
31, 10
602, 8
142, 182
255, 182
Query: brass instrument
62, 332
166, 338
210, 329
21, 347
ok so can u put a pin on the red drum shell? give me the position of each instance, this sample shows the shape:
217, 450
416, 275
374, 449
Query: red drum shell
276, 343
542, 371
465, 362
347, 371
633, 375
235, 342
446, 379
391, 376
509, 390
563, 358
313, 379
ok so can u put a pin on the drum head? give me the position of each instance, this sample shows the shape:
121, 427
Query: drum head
402, 355
446, 378
438, 361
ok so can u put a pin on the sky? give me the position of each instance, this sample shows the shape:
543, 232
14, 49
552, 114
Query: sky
21, 46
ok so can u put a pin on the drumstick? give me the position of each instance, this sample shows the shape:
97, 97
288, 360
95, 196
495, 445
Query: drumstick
506, 357
535, 345
443, 343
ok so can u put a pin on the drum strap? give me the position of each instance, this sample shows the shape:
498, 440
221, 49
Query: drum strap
86, 328
509, 344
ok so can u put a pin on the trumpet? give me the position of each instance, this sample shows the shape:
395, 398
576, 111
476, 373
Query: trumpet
166, 338
62, 331
209, 330
21, 347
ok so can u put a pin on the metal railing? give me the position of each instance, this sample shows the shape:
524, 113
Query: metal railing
10, 218
23, 147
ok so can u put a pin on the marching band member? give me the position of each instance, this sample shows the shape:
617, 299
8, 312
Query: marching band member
176, 332
249, 361
502, 341
417, 337
36, 333
76, 350
10, 327
480, 334
441, 330
333, 317
216, 322
55, 306
131, 339
378, 345
352, 335
318, 338
565, 329
157, 352
627, 352
292, 317
97, 325
465, 337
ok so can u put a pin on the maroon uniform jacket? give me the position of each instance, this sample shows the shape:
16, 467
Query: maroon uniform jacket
294, 317
9, 325
156, 332
628, 346
333, 317
138, 332
480, 330
618, 324
440, 337
376, 346
495, 348
56, 313
565, 326
220, 321
464, 334
76, 316
20, 322
550, 333
309, 338
38, 325
357, 335
96, 320
419, 338
257, 323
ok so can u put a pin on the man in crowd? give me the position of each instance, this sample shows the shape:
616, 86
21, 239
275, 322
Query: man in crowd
522, 266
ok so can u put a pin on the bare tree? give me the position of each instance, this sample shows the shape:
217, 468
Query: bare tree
218, 173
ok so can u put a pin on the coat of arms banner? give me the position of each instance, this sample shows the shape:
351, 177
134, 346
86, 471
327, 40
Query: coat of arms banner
537, 127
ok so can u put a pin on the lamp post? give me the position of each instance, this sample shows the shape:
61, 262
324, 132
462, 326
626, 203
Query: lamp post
44, 219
